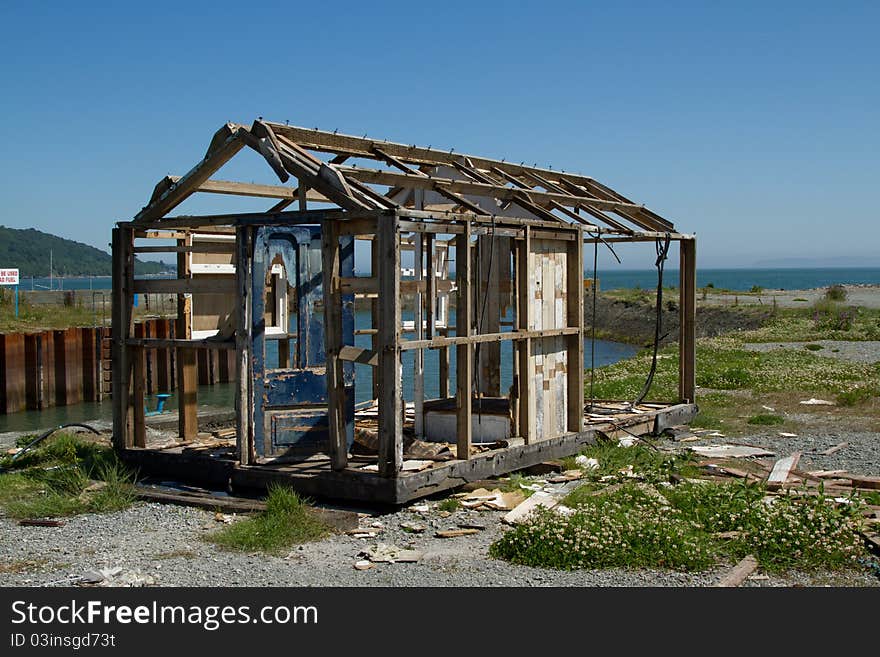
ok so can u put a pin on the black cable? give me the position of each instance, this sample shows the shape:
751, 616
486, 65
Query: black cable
48, 433
476, 371
662, 248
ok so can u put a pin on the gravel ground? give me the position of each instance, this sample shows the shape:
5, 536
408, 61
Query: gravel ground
164, 545
867, 351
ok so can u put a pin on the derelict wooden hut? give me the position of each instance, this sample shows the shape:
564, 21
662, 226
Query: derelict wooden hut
277, 288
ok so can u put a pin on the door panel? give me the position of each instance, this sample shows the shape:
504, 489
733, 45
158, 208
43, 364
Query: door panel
290, 402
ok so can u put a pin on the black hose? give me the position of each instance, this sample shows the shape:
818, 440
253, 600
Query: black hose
662, 247
43, 436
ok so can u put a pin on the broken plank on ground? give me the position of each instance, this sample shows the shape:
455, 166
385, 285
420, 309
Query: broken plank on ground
782, 468
739, 572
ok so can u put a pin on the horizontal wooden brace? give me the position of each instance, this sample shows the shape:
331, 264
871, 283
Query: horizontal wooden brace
486, 337
358, 355
213, 247
642, 237
197, 222
170, 343
225, 285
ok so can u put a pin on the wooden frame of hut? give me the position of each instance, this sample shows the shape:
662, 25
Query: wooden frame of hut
295, 418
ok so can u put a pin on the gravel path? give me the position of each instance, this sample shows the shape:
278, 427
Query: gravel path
867, 351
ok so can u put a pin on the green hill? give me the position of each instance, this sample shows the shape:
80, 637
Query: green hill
28, 250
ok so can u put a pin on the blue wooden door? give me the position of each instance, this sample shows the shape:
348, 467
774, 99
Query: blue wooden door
290, 398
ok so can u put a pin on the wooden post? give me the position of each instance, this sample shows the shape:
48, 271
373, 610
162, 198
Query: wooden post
687, 340
187, 375
243, 378
463, 352
527, 419
375, 317
419, 356
390, 407
163, 382
575, 350
139, 437
121, 331
331, 257
431, 286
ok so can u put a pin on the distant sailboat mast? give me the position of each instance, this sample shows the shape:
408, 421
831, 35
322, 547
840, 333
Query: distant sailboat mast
51, 287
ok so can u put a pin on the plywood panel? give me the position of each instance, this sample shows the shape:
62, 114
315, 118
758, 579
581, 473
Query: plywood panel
548, 292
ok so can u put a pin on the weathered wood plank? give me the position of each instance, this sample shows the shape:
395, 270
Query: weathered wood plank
330, 258
687, 340
781, 469
738, 574
463, 353
390, 398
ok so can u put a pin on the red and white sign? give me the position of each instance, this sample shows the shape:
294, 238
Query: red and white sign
8, 277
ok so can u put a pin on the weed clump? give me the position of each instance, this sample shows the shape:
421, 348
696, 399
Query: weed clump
65, 476
287, 521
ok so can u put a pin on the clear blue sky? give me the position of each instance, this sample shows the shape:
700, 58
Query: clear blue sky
754, 125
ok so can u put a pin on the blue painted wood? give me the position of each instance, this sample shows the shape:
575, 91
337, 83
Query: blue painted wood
278, 429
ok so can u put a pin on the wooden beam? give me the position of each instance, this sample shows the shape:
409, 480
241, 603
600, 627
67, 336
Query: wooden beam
212, 247
527, 420
174, 343
435, 343
244, 399
781, 469
233, 188
687, 338
139, 433
738, 574
187, 373
224, 285
418, 325
359, 355
226, 143
330, 260
575, 346
387, 244
463, 354
120, 332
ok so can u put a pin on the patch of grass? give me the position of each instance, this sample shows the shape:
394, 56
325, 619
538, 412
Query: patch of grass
56, 479
756, 289
722, 364
450, 504
616, 463
285, 522
801, 299
813, 347
858, 395
766, 419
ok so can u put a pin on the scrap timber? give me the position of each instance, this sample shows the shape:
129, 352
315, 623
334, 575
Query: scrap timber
277, 288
